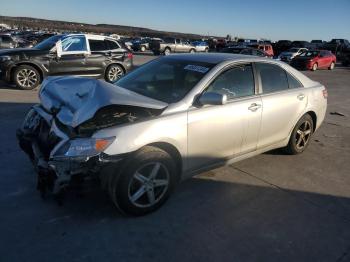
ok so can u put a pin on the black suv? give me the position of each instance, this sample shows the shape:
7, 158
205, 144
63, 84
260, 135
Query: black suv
75, 54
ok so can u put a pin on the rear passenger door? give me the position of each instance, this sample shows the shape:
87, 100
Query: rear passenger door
283, 100
96, 61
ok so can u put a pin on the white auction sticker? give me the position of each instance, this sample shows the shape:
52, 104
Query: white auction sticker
200, 69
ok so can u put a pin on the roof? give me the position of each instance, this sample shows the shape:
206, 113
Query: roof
214, 58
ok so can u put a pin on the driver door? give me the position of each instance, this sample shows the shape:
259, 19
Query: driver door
72, 53
217, 133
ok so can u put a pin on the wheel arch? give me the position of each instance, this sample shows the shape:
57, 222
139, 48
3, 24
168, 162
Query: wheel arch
113, 63
38, 68
173, 152
314, 118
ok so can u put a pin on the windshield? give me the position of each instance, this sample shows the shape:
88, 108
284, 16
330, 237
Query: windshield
48, 43
165, 79
309, 54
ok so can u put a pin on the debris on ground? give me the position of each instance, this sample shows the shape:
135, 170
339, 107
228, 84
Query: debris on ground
337, 113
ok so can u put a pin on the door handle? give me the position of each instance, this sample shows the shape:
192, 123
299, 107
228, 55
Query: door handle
301, 96
253, 107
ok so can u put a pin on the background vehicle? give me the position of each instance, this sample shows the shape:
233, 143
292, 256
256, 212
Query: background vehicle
171, 45
337, 45
201, 46
281, 46
75, 54
345, 58
317, 44
301, 44
7, 41
114, 124
244, 51
267, 48
287, 56
313, 60
142, 44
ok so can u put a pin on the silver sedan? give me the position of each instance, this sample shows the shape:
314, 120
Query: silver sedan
171, 118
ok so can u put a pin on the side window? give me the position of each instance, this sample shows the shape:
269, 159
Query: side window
6, 39
112, 45
273, 78
74, 44
97, 45
293, 82
235, 82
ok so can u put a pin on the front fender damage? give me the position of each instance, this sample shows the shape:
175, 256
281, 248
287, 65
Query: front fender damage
70, 108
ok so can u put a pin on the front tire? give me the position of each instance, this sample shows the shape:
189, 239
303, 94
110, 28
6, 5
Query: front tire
113, 73
145, 183
331, 67
192, 51
26, 77
143, 49
314, 67
301, 136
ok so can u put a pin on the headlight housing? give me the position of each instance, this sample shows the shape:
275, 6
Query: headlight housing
5, 58
83, 147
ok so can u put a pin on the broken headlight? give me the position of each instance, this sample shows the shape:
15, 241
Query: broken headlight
84, 147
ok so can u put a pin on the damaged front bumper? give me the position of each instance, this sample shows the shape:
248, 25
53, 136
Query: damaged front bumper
40, 137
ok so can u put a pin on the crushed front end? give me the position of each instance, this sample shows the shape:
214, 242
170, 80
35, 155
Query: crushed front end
58, 155
60, 134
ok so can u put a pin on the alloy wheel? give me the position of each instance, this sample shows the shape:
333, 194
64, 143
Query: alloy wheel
148, 185
303, 135
27, 78
114, 73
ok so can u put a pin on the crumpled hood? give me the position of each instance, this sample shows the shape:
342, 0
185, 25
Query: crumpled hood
74, 99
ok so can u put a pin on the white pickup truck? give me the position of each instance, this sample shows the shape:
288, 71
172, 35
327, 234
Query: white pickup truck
171, 45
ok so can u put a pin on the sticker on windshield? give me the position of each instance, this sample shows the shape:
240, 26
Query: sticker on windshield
200, 69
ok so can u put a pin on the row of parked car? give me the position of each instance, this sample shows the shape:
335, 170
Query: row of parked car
108, 58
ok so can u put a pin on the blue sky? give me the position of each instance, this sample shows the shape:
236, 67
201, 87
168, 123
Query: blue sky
278, 19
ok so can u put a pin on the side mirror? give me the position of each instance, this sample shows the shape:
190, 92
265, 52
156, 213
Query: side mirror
59, 48
211, 98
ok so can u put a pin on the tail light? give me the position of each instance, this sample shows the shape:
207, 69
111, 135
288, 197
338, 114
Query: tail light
325, 93
130, 55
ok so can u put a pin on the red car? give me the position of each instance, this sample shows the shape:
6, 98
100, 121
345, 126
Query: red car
267, 48
313, 60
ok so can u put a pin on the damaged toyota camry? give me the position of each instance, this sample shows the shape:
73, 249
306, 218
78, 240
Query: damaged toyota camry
169, 119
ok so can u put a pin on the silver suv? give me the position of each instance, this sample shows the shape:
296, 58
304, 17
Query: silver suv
166, 121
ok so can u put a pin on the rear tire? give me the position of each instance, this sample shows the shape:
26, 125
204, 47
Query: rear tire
143, 49
145, 183
113, 73
331, 67
167, 51
192, 51
314, 67
26, 77
301, 136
